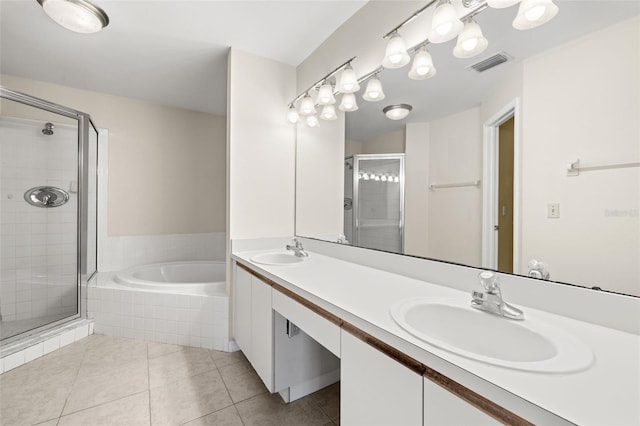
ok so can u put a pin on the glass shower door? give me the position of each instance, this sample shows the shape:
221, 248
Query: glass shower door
38, 218
378, 208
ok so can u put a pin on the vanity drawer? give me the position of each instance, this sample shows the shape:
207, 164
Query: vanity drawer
320, 329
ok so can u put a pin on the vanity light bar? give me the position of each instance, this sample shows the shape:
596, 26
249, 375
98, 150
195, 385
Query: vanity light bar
409, 19
322, 80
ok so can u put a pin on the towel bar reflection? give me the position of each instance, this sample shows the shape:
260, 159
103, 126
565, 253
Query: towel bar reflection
574, 168
475, 183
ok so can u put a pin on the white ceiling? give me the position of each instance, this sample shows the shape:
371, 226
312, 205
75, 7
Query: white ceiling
168, 52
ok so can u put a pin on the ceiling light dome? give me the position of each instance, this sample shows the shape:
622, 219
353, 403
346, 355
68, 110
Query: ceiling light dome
445, 24
422, 67
348, 103
312, 121
533, 13
307, 106
396, 55
471, 42
500, 4
348, 80
292, 115
397, 112
79, 16
373, 92
328, 113
325, 95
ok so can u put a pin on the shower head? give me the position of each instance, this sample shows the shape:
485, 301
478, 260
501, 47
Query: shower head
48, 129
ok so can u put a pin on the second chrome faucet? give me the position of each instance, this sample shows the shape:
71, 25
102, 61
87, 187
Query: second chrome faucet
297, 248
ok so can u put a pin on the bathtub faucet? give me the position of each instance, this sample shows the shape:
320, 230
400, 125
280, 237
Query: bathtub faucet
297, 248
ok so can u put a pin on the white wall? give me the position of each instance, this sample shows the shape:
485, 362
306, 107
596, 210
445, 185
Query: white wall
416, 189
166, 165
596, 240
260, 147
389, 143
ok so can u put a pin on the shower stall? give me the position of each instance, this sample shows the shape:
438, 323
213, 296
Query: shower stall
48, 206
374, 201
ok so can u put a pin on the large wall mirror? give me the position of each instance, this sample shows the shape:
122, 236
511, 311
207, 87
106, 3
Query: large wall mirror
530, 167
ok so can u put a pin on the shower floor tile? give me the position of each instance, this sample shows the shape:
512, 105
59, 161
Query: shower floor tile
105, 380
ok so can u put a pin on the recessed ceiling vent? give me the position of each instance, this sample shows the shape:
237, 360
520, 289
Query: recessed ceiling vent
490, 62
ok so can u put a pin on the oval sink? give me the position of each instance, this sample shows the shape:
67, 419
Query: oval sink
455, 326
277, 258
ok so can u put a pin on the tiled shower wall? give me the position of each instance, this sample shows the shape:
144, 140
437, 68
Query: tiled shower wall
38, 247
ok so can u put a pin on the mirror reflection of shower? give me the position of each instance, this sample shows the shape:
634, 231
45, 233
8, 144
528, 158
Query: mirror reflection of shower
374, 201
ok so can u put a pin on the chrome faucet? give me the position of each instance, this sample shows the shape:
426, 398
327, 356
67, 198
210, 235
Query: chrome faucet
297, 248
538, 270
490, 299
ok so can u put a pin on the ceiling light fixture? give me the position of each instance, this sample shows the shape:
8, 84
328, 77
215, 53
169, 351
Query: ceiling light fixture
397, 112
307, 106
396, 55
325, 95
373, 92
292, 115
533, 13
422, 67
312, 121
348, 80
445, 24
79, 16
471, 42
348, 103
328, 113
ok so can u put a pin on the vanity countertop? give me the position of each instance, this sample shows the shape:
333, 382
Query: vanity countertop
607, 393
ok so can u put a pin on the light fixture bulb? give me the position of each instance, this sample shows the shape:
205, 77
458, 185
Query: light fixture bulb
325, 95
500, 4
312, 121
365, 176
396, 179
328, 113
292, 115
307, 106
533, 13
422, 67
79, 16
377, 178
471, 42
348, 102
383, 178
445, 24
348, 80
373, 92
397, 112
396, 55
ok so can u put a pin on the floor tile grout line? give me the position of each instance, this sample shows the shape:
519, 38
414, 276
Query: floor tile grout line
101, 404
239, 416
66, 401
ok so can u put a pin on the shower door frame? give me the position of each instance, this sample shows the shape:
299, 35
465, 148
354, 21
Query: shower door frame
355, 199
84, 125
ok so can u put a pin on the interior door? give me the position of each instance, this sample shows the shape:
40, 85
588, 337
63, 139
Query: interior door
505, 196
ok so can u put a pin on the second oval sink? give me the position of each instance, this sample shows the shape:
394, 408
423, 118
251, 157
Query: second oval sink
455, 326
277, 258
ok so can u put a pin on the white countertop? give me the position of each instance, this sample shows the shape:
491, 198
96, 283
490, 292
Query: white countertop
608, 393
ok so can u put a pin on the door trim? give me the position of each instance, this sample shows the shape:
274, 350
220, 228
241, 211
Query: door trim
490, 187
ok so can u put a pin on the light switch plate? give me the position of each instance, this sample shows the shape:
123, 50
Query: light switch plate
553, 210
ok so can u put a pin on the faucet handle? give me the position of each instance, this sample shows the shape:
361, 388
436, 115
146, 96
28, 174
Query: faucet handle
489, 281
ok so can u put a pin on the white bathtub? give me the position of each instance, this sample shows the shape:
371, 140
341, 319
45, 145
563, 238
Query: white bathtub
183, 303
201, 278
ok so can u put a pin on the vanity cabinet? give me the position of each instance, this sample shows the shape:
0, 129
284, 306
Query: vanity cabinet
253, 319
375, 389
442, 408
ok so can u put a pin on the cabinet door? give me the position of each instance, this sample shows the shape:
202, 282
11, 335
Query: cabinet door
375, 389
442, 408
242, 310
262, 331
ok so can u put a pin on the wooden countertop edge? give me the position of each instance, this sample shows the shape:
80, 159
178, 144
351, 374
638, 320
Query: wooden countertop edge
481, 403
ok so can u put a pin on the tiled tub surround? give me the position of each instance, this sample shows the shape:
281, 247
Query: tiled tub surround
38, 247
185, 319
104, 380
606, 393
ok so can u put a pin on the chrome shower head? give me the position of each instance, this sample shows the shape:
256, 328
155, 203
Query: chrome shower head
48, 129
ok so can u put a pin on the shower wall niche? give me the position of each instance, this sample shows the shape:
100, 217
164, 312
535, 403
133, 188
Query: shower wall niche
47, 211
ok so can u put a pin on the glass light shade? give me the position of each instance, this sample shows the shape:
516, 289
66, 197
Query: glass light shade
79, 16
373, 92
471, 42
325, 95
533, 13
348, 81
396, 55
445, 24
500, 4
328, 113
397, 112
348, 102
312, 121
422, 67
307, 106
292, 115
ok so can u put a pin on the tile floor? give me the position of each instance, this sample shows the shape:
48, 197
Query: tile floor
104, 380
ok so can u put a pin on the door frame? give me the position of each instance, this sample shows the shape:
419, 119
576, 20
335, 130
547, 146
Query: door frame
490, 186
